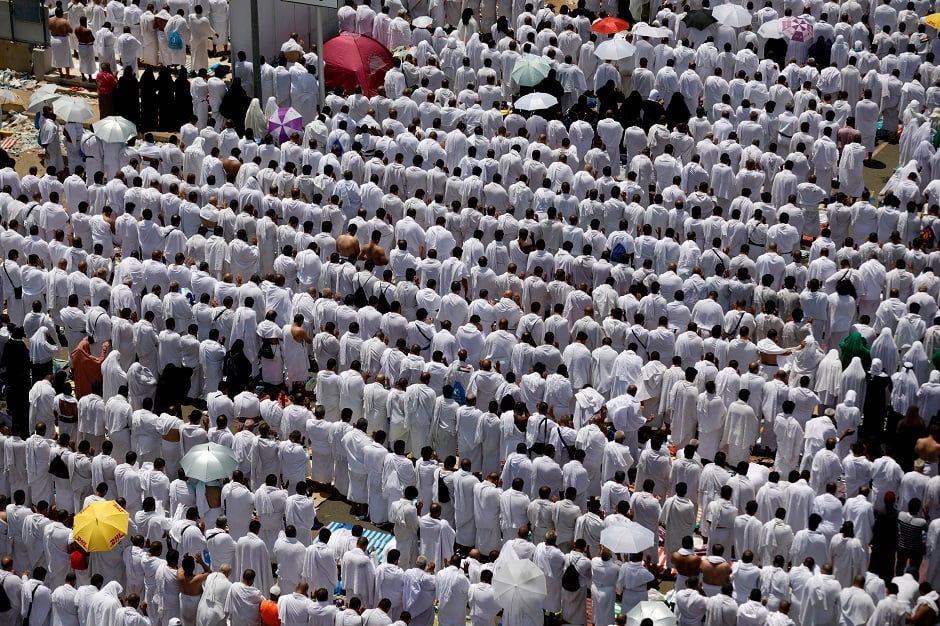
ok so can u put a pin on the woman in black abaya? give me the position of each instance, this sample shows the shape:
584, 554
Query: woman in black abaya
653, 111
235, 105
609, 97
166, 102
631, 109
677, 111
184, 99
128, 96
148, 101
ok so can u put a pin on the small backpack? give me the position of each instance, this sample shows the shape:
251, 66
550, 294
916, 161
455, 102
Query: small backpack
383, 306
5, 604
359, 297
571, 580
927, 237
618, 253
443, 491
58, 467
460, 394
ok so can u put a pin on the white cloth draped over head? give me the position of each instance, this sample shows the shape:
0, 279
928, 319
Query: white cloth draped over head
106, 605
807, 359
850, 397
917, 356
904, 390
263, 501
885, 348
255, 119
829, 376
270, 108
854, 379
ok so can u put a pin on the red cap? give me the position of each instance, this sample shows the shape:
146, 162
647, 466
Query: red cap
79, 560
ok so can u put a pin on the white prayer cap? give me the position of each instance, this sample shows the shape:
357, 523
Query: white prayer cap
175, 621
908, 365
829, 412
274, 591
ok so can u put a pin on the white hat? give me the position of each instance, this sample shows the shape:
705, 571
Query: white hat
274, 591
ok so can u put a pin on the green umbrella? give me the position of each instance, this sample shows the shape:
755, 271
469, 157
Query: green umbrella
530, 70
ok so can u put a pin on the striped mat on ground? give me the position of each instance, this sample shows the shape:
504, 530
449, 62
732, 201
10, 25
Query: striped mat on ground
378, 541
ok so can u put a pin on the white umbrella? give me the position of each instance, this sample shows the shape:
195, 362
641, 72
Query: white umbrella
42, 97
732, 15
614, 49
114, 129
7, 96
208, 462
518, 586
631, 538
535, 102
645, 30
72, 109
772, 29
656, 611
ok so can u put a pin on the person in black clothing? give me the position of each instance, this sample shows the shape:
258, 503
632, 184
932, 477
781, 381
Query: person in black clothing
631, 110
876, 403
821, 52
583, 10
237, 369
652, 111
551, 85
884, 543
166, 103
235, 105
677, 112
776, 50
183, 98
128, 96
14, 360
583, 111
609, 97
148, 100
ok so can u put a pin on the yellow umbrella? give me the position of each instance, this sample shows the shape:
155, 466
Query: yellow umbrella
933, 20
100, 526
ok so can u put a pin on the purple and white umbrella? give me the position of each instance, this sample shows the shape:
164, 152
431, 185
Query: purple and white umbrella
792, 28
797, 29
284, 122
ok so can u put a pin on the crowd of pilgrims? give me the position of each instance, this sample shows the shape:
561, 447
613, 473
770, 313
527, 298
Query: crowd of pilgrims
669, 301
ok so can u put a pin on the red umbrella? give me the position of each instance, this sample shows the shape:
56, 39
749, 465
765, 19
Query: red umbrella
350, 60
610, 25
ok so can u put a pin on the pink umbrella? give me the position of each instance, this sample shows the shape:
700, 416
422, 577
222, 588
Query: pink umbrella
797, 29
285, 122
